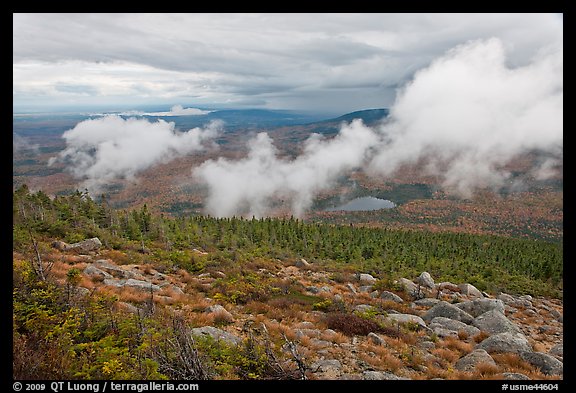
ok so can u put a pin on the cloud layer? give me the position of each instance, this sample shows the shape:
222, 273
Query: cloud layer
467, 115
324, 62
106, 149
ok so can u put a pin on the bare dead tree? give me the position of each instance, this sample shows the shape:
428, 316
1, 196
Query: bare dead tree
297, 357
177, 354
40, 268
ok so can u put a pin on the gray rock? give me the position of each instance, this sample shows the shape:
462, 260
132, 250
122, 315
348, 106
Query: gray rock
380, 376
113, 282
494, 322
217, 334
326, 365
302, 264
409, 286
515, 376
139, 284
448, 286
556, 314
425, 279
350, 377
367, 279
315, 333
505, 342
453, 325
88, 245
362, 308
406, 318
470, 290
548, 364
216, 308
319, 344
506, 298
60, 246
116, 271
391, 296
305, 325
444, 333
130, 308
313, 290
351, 288
93, 271
376, 339
447, 310
557, 350
427, 302
470, 361
427, 345
512, 301
478, 307
176, 289
80, 292
365, 288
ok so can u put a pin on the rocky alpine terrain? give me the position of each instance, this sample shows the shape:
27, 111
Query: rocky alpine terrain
335, 325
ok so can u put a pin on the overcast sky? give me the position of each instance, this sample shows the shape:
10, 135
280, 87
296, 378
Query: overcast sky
334, 63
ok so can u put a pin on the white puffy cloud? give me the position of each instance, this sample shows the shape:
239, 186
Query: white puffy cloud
250, 186
106, 149
469, 114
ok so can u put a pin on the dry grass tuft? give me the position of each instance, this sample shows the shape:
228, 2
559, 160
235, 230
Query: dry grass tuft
480, 337
118, 257
485, 370
455, 344
222, 318
462, 335
447, 354
513, 363
539, 347
201, 319
335, 337
382, 361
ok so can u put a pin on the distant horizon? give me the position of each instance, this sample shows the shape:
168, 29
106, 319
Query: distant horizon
142, 109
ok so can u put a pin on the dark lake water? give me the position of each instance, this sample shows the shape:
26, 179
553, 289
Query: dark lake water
364, 204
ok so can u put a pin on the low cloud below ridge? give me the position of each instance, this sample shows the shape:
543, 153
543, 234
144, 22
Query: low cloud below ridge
110, 148
467, 115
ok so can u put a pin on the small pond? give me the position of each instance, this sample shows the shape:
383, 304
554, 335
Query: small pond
364, 204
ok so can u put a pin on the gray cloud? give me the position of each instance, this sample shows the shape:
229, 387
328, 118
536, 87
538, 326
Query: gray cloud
218, 57
21, 145
76, 89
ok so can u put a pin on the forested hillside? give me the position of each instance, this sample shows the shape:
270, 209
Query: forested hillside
71, 336
490, 262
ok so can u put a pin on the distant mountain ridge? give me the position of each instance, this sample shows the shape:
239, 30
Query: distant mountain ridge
368, 116
265, 118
